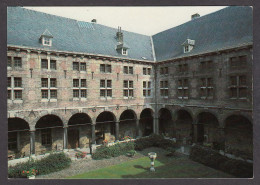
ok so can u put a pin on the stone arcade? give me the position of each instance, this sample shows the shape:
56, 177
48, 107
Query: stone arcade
73, 83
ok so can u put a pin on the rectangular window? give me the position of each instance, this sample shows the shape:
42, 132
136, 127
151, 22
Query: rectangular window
18, 62
109, 92
164, 88
109, 83
83, 93
75, 93
242, 80
53, 82
53, 64
131, 70
44, 64
46, 41
83, 83
17, 94
125, 69
17, 82
53, 94
9, 83
102, 92
9, 62
233, 92
102, 83
148, 71
108, 68
75, 82
44, 82
128, 88
144, 71
146, 88
9, 95
102, 68
83, 67
75, 66
44, 94
46, 136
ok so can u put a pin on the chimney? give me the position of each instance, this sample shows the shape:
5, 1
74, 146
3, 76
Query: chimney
119, 35
94, 20
195, 16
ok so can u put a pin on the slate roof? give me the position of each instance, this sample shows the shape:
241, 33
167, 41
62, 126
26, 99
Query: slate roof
24, 28
226, 28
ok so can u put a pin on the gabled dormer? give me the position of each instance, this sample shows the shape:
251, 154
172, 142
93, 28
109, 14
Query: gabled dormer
121, 47
188, 45
46, 38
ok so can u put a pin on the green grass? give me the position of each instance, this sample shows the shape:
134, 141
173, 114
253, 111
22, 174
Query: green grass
166, 167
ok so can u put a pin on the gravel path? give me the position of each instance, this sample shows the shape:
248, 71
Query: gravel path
85, 165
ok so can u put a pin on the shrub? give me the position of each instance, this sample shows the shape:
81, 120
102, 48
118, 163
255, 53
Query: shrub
80, 154
131, 153
170, 152
49, 164
113, 151
215, 160
153, 141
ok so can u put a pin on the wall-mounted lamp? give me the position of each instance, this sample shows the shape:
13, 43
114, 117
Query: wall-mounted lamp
65, 73
220, 72
117, 76
94, 109
92, 73
117, 107
31, 69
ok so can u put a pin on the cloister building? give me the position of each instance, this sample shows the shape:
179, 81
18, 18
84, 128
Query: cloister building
73, 83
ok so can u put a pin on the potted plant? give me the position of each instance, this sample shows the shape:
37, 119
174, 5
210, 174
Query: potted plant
105, 142
80, 154
30, 173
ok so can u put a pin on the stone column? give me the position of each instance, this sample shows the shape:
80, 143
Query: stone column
221, 138
155, 125
117, 131
65, 138
18, 141
32, 142
93, 134
138, 130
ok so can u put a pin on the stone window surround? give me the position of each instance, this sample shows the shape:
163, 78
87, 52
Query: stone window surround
49, 89
105, 68
12, 89
183, 86
49, 64
11, 62
164, 88
147, 70
78, 86
147, 88
207, 86
106, 88
128, 86
238, 86
126, 70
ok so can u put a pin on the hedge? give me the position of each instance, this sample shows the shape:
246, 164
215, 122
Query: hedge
215, 160
52, 163
113, 151
154, 141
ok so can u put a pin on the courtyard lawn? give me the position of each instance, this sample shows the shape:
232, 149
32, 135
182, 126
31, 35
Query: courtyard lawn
166, 167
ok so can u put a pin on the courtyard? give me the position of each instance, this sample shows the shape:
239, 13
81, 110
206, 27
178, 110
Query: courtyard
177, 166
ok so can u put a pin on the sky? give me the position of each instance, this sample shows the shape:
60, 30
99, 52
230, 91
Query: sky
144, 20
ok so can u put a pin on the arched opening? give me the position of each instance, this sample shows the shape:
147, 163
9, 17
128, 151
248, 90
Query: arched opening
105, 127
49, 134
239, 136
79, 131
208, 128
18, 138
183, 127
146, 122
127, 124
166, 125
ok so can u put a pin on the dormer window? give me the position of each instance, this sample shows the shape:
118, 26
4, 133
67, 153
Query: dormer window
124, 51
46, 38
188, 45
46, 41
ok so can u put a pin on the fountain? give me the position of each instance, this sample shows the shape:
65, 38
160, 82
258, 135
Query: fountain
152, 156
